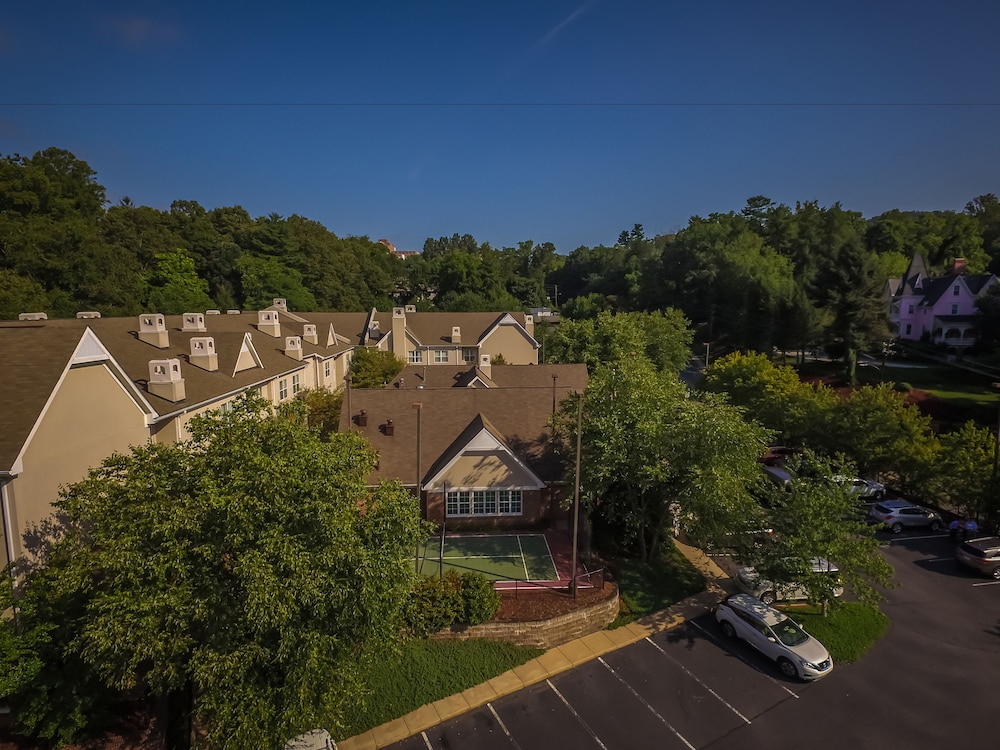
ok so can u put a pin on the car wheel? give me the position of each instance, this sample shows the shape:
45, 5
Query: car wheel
896, 527
787, 668
727, 629
767, 597
935, 526
996, 573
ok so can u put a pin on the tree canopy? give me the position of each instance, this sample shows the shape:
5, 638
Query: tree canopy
247, 574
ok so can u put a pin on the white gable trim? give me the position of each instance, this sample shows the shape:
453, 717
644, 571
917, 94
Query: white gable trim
248, 347
485, 443
89, 351
511, 321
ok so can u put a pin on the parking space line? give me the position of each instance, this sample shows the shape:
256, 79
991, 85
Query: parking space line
427, 742
742, 659
576, 715
938, 559
643, 701
987, 583
693, 677
921, 536
502, 725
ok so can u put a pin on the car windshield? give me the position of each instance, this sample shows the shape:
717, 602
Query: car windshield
789, 633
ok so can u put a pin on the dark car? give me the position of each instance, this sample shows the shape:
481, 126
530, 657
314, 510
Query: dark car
982, 555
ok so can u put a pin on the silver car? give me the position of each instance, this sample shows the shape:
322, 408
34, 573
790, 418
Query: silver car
749, 581
897, 515
775, 635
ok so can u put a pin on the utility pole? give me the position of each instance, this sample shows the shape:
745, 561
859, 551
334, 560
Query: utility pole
708, 346
576, 492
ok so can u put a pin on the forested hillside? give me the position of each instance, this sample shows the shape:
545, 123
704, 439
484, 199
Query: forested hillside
766, 275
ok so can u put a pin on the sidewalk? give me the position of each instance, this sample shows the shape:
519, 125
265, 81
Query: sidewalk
552, 662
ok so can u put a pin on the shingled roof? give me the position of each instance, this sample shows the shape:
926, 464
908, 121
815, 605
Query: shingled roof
519, 414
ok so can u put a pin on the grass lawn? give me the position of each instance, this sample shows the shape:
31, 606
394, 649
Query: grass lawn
848, 631
430, 670
645, 588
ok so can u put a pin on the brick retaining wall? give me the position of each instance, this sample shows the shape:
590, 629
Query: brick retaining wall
549, 633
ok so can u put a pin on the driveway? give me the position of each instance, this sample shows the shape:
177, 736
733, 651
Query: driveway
928, 684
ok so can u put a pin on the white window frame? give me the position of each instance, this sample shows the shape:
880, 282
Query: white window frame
296, 383
326, 369
415, 357
440, 356
484, 501
282, 389
470, 355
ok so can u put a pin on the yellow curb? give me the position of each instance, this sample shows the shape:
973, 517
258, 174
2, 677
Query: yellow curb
600, 643
423, 718
554, 661
365, 741
576, 651
506, 683
453, 705
390, 732
531, 672
479, 695
625, 636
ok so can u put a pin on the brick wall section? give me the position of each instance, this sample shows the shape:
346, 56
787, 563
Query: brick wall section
544, 633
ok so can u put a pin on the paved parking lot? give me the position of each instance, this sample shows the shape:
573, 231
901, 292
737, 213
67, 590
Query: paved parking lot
929, 684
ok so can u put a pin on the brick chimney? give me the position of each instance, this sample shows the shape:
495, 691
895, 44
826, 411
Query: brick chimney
959, 266
153, 330
165, 379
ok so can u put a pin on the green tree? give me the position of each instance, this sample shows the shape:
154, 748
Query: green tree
322, 409
966, 475
19, 294
373, 368
248, 575
653, 456
820, 518
175, 287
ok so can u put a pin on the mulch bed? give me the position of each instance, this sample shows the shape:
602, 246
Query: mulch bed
528, 606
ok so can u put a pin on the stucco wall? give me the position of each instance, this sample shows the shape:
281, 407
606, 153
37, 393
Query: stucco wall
548, 633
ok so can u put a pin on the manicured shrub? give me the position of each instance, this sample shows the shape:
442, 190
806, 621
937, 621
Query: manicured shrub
480, 599
435, 603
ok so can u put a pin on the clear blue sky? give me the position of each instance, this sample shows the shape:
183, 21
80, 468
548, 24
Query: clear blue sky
552, 120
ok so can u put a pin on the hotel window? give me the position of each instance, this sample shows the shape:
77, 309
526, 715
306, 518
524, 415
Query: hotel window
440, 356
296, 384
470, 355
326, 368
484, 503
415, 357
282, 390
226, 406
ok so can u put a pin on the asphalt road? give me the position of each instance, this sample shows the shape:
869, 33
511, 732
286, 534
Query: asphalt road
928, 684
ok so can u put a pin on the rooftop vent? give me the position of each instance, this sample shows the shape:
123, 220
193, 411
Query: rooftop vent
410, 308
203, 353
293, 347
267, 322
390, 428
153, 330
165, 379
88, 315
232, 312
213, 312
194, 322
309, 333
281, 303
33, 316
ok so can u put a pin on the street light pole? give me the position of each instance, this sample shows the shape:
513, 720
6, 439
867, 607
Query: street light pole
708, 346
576, 493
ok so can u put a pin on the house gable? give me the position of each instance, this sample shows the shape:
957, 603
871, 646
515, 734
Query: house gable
248, 358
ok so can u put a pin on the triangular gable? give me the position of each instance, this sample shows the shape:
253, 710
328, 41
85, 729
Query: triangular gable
333, 338
248, 357
89, 350
482, 444
475, 378
508, 320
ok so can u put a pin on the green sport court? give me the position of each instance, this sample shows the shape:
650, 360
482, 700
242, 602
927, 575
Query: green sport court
502, 558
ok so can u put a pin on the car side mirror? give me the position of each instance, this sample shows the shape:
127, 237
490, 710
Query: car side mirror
772, 639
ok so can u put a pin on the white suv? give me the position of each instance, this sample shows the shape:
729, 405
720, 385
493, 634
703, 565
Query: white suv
775, 635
